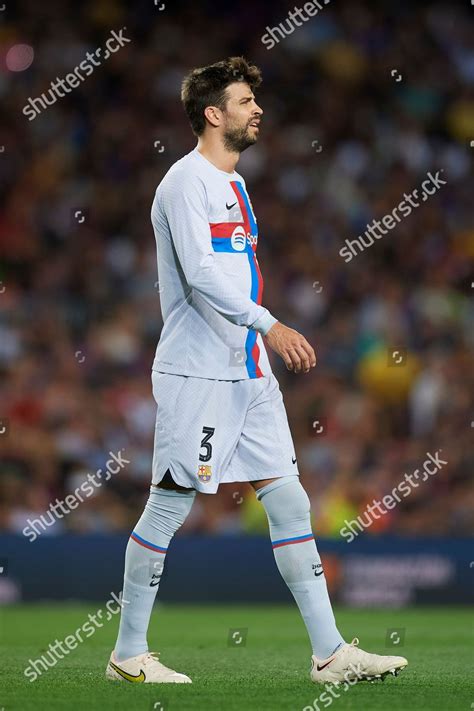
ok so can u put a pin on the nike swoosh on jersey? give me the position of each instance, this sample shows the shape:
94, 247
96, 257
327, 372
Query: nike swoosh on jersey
138, 678
229, 207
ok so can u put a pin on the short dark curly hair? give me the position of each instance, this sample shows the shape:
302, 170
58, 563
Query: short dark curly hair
206, 86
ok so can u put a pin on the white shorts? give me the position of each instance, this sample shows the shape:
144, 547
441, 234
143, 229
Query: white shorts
210, 432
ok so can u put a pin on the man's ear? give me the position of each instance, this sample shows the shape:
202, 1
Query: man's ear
214, 115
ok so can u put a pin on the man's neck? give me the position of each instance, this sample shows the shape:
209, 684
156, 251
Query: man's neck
219, 156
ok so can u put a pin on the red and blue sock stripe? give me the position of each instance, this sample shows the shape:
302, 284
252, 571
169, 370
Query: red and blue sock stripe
147, 544
293, 539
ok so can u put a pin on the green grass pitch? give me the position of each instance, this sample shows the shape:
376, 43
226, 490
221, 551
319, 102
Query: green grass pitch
266, 671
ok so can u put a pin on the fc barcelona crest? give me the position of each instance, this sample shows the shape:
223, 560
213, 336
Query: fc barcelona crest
204, 472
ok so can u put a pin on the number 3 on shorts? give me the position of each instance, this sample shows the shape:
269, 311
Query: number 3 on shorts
207, 432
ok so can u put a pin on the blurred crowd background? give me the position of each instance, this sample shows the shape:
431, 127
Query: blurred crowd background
79, 306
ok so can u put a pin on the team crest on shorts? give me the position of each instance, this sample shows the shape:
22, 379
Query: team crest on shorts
204, 472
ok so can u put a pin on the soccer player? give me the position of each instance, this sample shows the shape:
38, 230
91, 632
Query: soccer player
220, 415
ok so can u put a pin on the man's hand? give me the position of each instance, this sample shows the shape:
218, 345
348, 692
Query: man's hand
292, 347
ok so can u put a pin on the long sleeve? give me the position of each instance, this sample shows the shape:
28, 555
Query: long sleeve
184, 203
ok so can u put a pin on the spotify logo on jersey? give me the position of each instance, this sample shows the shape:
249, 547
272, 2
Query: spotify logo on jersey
238, 239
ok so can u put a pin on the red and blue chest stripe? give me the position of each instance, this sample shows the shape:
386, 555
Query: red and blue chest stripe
221, 233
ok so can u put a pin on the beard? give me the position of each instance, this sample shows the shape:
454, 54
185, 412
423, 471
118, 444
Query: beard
237, 140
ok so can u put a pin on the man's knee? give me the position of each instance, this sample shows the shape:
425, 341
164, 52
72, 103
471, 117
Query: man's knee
287, 501
166, 509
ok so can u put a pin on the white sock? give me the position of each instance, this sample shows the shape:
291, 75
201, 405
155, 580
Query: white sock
288, 511
165, 511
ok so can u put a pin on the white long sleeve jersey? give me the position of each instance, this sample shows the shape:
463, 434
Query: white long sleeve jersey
209, 279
